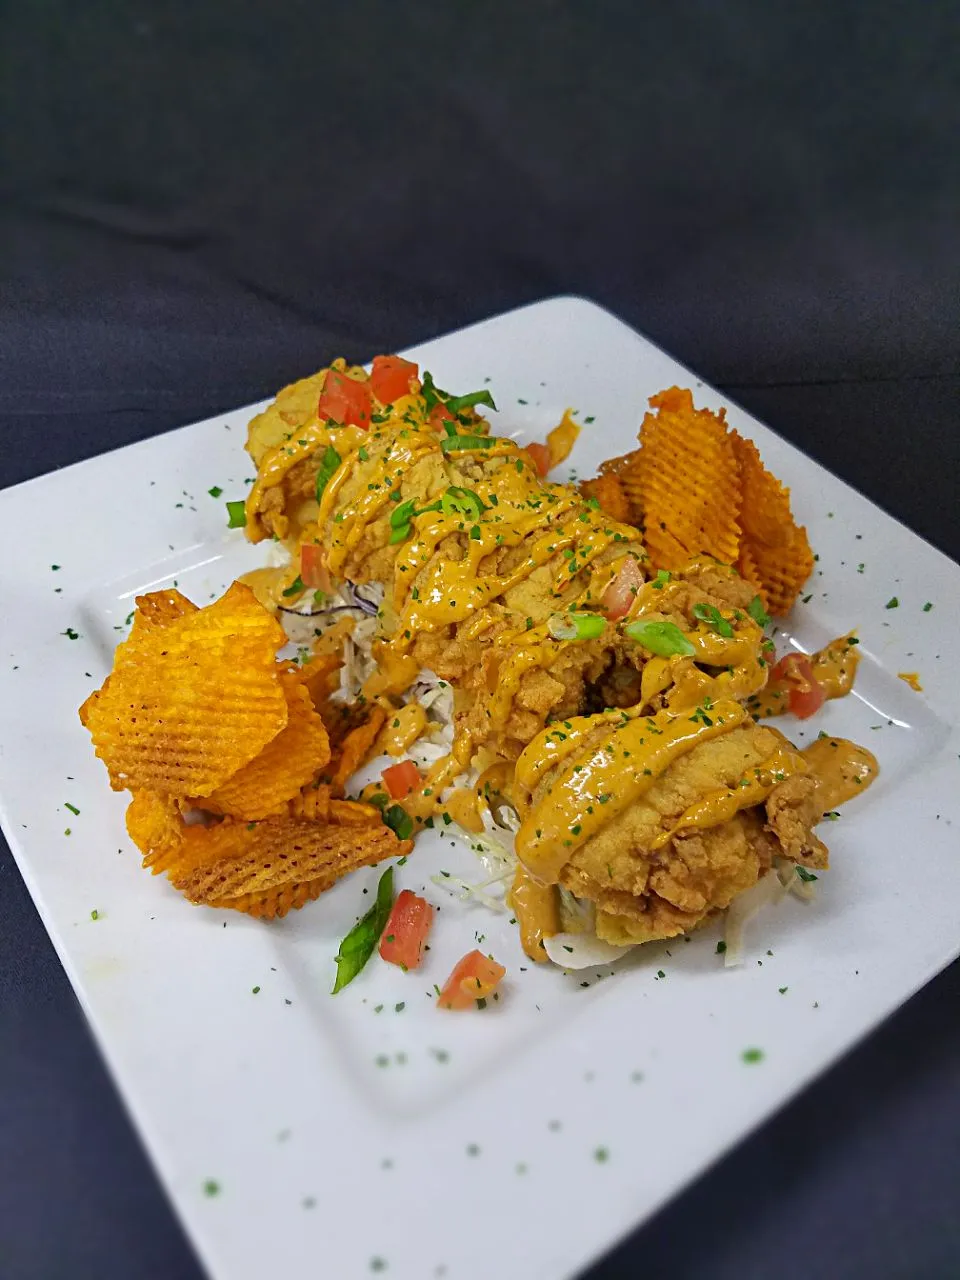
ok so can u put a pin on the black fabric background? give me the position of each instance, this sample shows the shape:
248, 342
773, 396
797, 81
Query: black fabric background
202, 201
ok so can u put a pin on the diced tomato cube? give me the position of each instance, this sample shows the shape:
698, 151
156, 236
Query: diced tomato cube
540, 454
619, 595
390, 377
406, 930
795, 674
345, 401
439, 416
474, 978
401, 779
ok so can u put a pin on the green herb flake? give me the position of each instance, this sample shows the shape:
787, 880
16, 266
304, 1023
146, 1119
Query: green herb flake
72, 807
359, 944
601, 1155
892, 603
928, 606
752, 1055
295, 588
215, 491
721, 947
211, 1187
805, 875
757, 612
94, 914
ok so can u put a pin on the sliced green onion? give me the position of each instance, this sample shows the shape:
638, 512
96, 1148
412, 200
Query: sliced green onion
665, 639
661, 580
461, 502
430, 391
403, 514
399, 821
236, 514
295, 588
470, 401
452, 443
711, 615
576, 626
328, 465
757, 612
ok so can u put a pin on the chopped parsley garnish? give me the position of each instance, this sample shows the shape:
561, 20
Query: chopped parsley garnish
757, 612
215, 491
928, 606
662, 638
358, 946
72, 807
328, 465
892, 603
752, 1055
805, 875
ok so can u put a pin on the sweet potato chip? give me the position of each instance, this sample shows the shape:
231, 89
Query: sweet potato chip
287, 763
609, 492
689, 485
765, 514
192, 701
236, 860
782, 570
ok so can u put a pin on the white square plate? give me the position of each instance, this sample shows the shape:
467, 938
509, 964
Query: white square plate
302, 1136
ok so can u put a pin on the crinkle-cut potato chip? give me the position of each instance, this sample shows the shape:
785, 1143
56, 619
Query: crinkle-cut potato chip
236, 860
312, 803
287, 763
356, 747
782, 570
765, 514
156, 827
190, 702
631, 481
321, 676
609, 493
689, 484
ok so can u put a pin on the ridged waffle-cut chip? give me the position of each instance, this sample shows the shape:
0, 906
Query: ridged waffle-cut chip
782, 570
749, 570
156, 827
765, 514
190, 702
609, 492
775, 552
356, 747
617, 466
689, 485
233, 861
287, 763
158, 609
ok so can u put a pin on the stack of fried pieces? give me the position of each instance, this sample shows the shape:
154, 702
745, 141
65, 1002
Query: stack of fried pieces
696, 486
228, 752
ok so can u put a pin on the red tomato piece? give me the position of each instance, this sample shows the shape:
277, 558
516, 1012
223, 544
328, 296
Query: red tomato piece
439, 416
541, 457
795, 674
313, 568
619, 595
401, 779
345, 401
406, 930
390, 377
474, 978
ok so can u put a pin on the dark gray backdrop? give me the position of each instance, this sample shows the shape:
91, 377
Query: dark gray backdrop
202, 201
